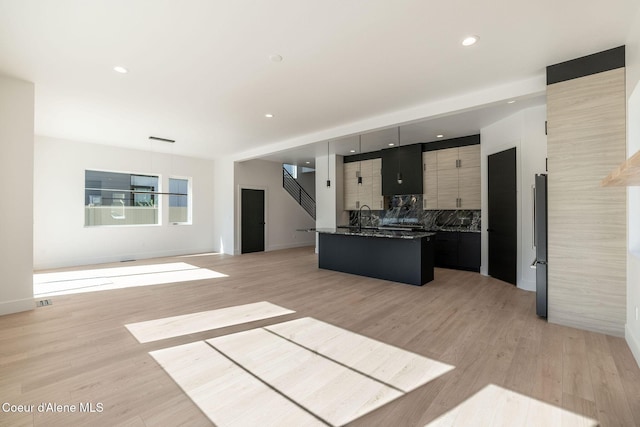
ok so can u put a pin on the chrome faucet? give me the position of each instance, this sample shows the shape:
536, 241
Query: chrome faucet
360, 216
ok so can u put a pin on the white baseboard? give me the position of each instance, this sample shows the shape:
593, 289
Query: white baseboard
76, 262
527, 285
16, 306
633, 342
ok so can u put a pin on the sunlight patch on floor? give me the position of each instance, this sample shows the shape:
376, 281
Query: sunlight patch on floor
226, 393
386, 363
91, 280
169, 327
301, 372
495, 406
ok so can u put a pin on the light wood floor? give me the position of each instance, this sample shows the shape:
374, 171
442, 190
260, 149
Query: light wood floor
78, 349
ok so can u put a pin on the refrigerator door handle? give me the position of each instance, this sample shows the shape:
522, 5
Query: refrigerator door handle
535, 237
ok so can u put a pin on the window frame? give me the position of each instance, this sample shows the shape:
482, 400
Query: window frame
189, 195
157, 193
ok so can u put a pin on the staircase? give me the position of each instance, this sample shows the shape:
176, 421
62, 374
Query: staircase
294, 188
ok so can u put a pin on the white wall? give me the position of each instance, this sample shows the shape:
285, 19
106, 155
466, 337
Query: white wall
330, 200
223, 209
525, 131
308, 181
60, 237
632, 327
283, 214
16, 210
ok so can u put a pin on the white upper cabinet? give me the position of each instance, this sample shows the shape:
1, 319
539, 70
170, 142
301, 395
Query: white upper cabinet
369, 192
430, 179
452, 178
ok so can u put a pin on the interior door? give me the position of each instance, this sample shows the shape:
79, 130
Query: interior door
502, 223
252, 221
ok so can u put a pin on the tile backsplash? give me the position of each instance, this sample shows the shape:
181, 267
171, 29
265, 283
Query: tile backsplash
407, 210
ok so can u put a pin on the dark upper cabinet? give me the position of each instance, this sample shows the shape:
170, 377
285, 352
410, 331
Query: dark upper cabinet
406, 160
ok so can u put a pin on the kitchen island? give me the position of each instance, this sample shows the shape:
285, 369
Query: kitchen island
399, 256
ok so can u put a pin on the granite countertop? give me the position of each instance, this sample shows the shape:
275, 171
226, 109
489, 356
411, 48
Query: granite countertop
433, 229
375, 232
461, 229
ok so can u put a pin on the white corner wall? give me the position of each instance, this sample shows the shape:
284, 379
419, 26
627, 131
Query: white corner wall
16, 176
283, 214
223, 207
60, 237
632, 327
330, 200
308, 181
524, 130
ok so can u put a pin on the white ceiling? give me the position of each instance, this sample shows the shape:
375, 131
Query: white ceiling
450, 126
199, 70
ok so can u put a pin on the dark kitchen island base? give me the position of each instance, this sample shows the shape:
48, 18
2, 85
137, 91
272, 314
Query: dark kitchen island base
405, 260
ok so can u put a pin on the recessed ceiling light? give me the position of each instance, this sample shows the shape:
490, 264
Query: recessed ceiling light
470, 41
120, 69
391, 144
275, 58
352, 151
308, 163
440, 136
511, 102
268, 115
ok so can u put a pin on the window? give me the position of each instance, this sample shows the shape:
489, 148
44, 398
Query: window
179, 212
112, 198
292, 169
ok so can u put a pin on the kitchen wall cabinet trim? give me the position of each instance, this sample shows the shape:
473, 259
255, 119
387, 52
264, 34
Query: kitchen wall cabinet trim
587, 65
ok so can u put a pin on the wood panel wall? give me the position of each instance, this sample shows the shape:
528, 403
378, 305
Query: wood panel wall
587, 223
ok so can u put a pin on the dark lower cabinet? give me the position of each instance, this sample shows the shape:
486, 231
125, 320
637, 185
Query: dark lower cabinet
469, 251
446, 251
395, 259
459, 250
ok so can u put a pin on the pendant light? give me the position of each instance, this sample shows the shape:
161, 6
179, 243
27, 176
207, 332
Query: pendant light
359, 173
399, 175
328, 180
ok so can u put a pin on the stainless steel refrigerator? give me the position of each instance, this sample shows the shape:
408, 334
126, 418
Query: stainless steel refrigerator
540, 242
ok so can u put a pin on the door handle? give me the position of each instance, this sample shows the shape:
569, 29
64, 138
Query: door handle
535, 236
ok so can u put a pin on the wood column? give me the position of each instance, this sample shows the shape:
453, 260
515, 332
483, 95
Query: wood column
587, 223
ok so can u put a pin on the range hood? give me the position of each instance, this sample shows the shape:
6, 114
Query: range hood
406, 162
